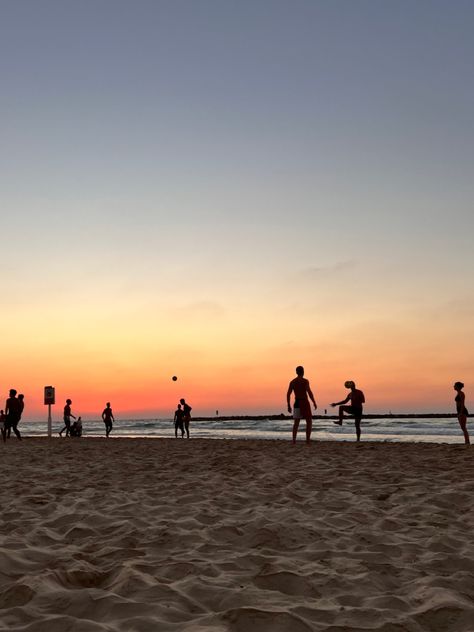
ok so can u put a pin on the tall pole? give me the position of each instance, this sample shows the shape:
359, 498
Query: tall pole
50, 425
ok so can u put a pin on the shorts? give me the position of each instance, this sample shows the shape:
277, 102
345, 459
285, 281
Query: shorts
355, 411
301, 409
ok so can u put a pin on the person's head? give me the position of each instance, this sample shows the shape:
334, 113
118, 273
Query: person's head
108, 404
458, 386
182, 400
300, 371
21, 396
69, 401
12, 392
349, 384
79, 420
179, 406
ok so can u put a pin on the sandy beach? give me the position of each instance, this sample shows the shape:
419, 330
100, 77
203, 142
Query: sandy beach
144, 535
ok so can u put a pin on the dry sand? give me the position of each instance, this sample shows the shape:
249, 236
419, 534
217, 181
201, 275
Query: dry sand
156, 535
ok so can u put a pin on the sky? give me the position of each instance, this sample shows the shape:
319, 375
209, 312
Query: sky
223, 190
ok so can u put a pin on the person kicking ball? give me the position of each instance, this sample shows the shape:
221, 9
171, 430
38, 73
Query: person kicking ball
357, 399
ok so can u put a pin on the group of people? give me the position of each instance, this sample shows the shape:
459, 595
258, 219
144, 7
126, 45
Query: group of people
302, 407
351, 405
182, 417
75, 429
10, 417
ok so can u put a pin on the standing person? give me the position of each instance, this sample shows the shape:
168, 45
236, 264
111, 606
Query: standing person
21, 406
186, 415
3, 425
67, 418
178, 421
13, 412
302, 408
462, 410
357, 399
107, 418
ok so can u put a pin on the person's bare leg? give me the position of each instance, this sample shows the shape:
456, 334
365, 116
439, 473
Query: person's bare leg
357, 425
309, 427
341, 416
296, 423
462, 422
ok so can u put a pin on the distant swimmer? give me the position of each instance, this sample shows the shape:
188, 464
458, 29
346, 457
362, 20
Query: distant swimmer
462, 410
357, 399
13, 410
302, 408
186, 416
178, 421
108, 418
67, 418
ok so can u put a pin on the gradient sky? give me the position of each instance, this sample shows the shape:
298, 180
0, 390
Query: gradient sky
222, 190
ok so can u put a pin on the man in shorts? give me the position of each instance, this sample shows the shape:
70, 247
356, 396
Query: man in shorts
107, 418
302, 408
357, 399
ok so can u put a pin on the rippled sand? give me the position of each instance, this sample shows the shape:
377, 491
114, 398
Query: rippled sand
157, 535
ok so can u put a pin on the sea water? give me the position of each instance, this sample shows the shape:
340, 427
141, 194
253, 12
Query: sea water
438, 430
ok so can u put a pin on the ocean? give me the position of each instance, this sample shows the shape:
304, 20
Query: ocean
437, 430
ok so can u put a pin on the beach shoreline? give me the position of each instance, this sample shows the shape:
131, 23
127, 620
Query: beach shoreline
238, 535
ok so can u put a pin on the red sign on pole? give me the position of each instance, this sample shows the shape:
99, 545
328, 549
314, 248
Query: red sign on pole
49, 395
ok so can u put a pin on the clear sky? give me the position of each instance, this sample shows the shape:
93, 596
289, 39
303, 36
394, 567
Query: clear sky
222, 190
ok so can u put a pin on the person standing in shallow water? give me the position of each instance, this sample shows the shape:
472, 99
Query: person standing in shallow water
107, 418
462, 410
357, 399
302, 408
186, 415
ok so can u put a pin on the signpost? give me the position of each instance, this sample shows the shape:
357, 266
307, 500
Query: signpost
49, 398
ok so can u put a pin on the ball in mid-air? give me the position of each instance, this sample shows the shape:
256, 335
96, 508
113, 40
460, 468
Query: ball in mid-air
174, 378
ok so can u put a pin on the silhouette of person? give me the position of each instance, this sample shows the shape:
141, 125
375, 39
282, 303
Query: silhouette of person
13, 412
186, 416
21, 405
302, 408
76, 428
178, 421
108, 418
3, 425
357, 399
462, 410
67, 418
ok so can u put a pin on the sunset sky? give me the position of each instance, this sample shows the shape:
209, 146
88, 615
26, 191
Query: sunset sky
222, 190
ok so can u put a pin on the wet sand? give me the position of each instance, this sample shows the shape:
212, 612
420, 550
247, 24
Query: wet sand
247, 536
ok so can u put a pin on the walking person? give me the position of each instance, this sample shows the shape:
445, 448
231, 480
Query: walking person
302, 408
186, 415
21, 406
357, 399
178, 421
13, 410
462, 410
108, 418
67, 418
